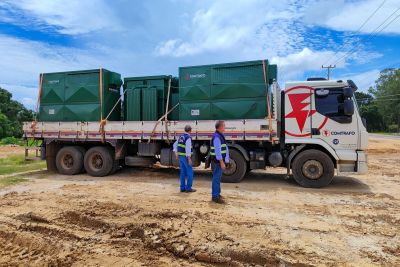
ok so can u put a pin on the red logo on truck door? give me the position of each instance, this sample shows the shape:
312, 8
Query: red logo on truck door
300, 100
301, 111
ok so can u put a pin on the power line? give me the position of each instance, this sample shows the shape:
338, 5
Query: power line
384, 96
373, 99
383, 100
358, 30
378, 99
372, 34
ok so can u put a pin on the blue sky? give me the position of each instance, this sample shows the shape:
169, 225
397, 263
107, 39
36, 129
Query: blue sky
157, 36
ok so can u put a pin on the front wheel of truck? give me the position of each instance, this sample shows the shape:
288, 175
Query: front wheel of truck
313, 168
236, 169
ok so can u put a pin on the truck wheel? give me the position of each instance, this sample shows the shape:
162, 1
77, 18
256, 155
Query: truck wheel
83, 151
313, 168
98, 161
69, 160
237, 168
115, 168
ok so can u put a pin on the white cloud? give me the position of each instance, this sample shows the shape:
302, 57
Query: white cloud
246, 27
277, 30
23, 60
349, 15
363, 80
29, 103
27, 95
294, 65
67, 17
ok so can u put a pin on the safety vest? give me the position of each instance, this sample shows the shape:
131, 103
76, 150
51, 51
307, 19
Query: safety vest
182, 144
221, 137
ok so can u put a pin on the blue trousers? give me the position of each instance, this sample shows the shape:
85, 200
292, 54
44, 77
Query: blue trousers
186, 170
216, 180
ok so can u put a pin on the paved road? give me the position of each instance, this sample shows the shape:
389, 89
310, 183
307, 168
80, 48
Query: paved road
384, 136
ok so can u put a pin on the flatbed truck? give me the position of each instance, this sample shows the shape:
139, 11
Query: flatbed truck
314, 131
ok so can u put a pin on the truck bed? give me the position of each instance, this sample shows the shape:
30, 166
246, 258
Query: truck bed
257, 129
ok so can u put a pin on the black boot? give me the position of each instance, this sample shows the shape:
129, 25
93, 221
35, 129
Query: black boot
218, 200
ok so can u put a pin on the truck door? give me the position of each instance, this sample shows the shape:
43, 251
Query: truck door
333, 122
298, 111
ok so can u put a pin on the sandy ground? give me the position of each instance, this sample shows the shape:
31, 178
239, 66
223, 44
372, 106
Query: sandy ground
138, 218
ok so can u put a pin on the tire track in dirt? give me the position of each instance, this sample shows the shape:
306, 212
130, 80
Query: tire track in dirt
130, 219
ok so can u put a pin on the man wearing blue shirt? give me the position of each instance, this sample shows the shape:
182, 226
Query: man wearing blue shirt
183, 150
219, 157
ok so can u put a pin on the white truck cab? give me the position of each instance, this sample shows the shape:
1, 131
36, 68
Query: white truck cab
323, 115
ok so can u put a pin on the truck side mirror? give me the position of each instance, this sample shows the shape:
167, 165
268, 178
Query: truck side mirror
348, 92
348, 107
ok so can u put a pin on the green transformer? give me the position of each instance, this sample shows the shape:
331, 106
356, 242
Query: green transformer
146, 98
80, 96
225, 91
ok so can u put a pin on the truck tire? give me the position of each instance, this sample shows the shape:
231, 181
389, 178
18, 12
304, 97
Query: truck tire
313, 168
237, 168
69, 160
98, 161
83, 151
116, 167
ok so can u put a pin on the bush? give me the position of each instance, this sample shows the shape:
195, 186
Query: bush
11, 141
393, 128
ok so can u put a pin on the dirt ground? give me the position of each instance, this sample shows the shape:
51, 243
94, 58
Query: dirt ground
10, 150
137, 217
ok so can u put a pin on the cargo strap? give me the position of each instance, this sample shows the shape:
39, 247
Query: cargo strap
159, 120
166, 110
102, 122
34, 123
39, 95
101, 93
268, 103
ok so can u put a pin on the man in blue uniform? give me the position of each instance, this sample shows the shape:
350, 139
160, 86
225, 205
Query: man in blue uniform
183, 150
219, 157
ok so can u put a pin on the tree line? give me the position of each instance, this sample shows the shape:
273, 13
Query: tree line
380, 106
12, 114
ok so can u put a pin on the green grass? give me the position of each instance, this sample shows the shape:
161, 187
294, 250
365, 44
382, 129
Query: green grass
7, 181
17, 163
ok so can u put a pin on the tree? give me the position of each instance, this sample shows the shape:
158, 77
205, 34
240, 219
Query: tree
387, 97
369, 110
12, 114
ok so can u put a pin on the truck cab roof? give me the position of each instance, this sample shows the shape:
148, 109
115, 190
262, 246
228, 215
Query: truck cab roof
320, 84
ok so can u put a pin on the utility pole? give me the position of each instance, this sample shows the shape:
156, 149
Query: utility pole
329, 69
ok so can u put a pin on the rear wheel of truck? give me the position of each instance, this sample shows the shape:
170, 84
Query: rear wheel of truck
83, 151
236, 170
98, 161
313, 168
69, 160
